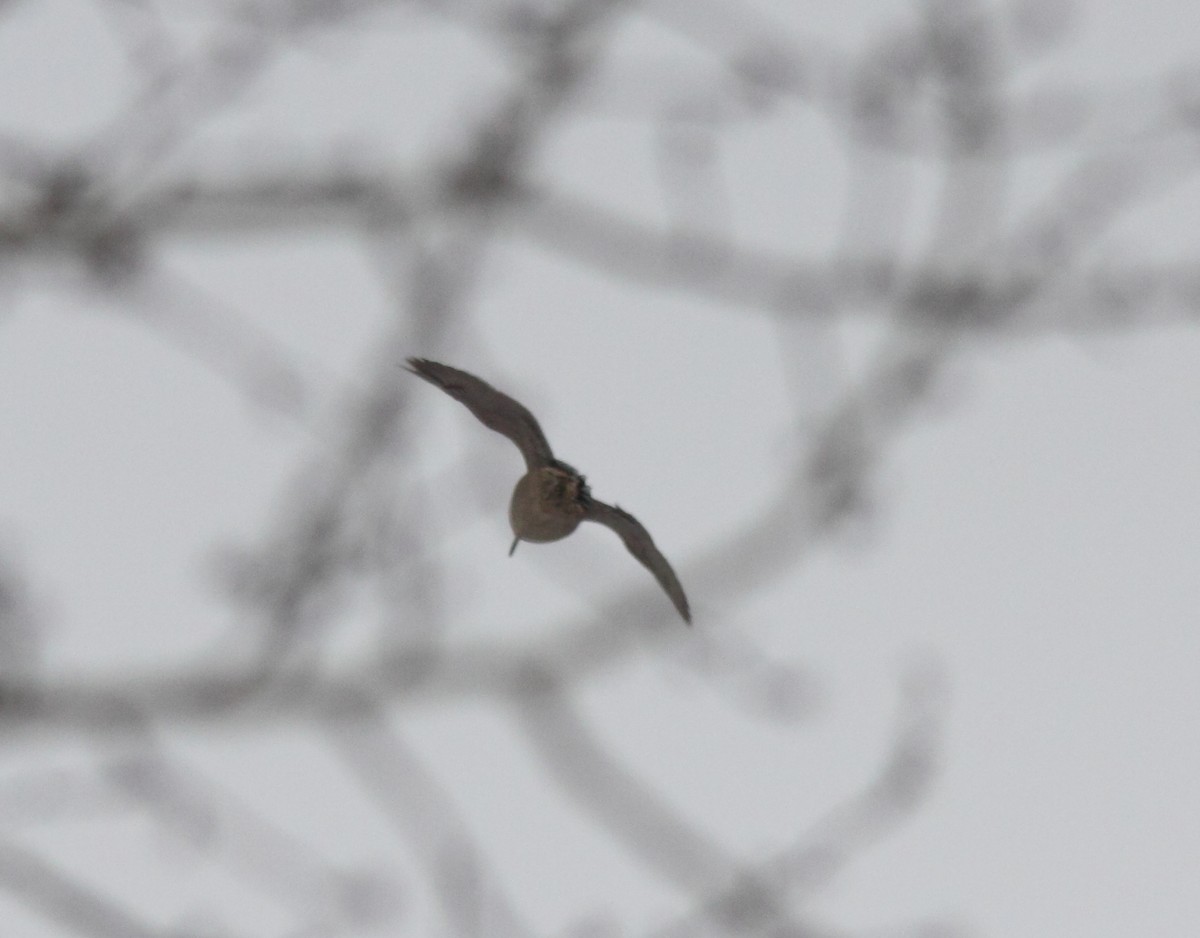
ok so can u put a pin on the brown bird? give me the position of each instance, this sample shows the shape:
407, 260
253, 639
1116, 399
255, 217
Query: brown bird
551, 499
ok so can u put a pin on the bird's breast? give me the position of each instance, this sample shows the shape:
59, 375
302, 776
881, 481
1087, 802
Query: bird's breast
546, 505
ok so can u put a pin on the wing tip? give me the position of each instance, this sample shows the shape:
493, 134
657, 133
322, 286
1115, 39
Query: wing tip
419, 366
437, 374
680, 601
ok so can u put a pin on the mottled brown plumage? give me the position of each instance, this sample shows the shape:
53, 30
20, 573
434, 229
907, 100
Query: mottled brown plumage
551, 499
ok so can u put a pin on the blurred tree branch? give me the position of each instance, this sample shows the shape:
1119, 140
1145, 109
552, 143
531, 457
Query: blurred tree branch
95, 216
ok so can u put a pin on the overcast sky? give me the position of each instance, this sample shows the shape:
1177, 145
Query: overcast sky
760, 261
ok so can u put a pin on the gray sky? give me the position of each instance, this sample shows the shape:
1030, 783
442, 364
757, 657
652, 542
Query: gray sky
1022, 566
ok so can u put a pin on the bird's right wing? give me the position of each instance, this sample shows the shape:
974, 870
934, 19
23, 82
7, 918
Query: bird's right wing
639, 543
494, 409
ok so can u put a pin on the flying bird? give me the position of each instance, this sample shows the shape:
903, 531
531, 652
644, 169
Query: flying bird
551, 499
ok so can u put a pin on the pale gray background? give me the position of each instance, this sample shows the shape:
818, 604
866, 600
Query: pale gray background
1020, 563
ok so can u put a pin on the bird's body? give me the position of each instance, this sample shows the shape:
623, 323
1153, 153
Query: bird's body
548, 503
551, 498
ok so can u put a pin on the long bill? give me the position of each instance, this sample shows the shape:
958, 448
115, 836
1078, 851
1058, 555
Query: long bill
516, 541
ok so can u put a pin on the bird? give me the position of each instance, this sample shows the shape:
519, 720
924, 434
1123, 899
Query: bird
551, 499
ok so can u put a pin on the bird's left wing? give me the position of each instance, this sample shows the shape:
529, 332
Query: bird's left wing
494, 409
639, 543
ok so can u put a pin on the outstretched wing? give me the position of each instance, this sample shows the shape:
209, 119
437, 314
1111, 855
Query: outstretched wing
637, 539
495, 410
